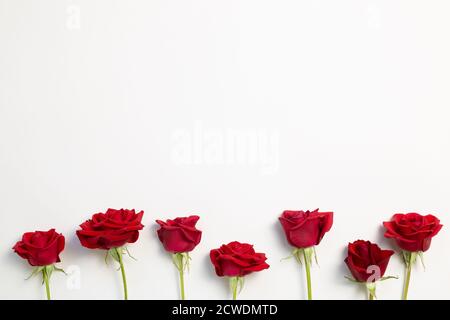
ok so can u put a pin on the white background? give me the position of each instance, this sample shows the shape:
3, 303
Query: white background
354, 96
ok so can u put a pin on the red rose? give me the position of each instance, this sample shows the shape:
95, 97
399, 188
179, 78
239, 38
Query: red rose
364, 254
180, 234
237, 259
112, 229
412, 231
305, 229
40, 248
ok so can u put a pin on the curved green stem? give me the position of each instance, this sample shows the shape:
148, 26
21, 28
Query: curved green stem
46, 281
371, 297
122, 269
308, 273
406, 285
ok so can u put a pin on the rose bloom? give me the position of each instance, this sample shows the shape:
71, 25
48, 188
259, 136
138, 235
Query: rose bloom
237, 259
364, 254
305, 229
412, 231
112, 229
40, 248
180, 234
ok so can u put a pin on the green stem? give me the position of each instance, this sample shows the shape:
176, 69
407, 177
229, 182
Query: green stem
122, 269
46, 281
371, 287
234, 283
181, 270
408, 277
308, 273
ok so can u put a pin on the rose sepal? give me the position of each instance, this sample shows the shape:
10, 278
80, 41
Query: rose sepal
300, 253
307, 254
236, 285
47, 272
181, 261
371, 286
48, 269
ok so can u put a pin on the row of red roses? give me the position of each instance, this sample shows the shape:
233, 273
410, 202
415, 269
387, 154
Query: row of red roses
111, 231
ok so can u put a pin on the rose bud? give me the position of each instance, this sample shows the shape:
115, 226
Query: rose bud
180, 234
236, 260
41, 249
413, 233
364, 254
112, 231
304, 230
367, 263
179, 237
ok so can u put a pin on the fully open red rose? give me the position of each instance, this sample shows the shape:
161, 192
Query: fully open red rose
180, 234
40, 248
305, 229
363, 256
112, 229
412, 231
237, 259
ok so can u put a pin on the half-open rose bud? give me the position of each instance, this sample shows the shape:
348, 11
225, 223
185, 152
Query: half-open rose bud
180, 234
305, 229
179, 237
366, 259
